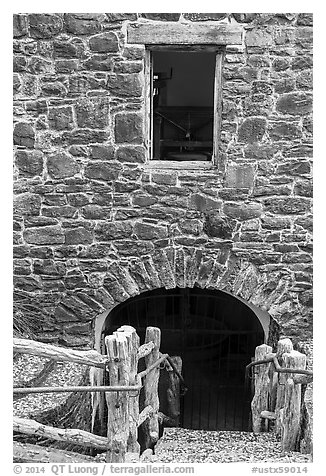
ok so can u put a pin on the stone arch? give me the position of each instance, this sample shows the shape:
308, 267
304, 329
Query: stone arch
182, 267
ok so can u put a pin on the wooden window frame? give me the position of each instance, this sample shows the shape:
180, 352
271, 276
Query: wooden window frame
185, 37
217, 105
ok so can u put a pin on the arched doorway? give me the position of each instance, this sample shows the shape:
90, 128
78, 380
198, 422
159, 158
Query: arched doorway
215, 334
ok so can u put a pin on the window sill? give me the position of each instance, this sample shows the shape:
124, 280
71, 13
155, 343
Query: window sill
179, 165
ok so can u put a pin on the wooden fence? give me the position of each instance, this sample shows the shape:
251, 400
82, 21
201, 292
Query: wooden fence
122, 395
278, 378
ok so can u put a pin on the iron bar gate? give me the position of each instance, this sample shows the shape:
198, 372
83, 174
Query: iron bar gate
215, 335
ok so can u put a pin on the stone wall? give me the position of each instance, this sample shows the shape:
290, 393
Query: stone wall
94, 224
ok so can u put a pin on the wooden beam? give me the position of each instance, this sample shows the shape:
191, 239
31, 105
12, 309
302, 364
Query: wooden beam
73, 436
118, 407
27, 453
260, 400
145, 349
290, 414
60, 354
153, 334
169, 33
129, 332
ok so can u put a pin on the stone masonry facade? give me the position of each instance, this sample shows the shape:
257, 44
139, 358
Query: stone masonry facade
95, 224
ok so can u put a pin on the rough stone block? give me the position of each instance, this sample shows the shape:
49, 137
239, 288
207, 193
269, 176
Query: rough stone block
305, 80
113, 230
66, 66
29, 163
129, 128
69, 49
252, 129
305, 19
78, 236
288, 206
136, 154
27, 283
19, 64
115, 17
164, 178
294, 167
44, 25
49, 267
33, 221
104, 42
240, 176
259, 37
262, 87
205, 16
243, 211
244, 17
65, 211
301, 62
53, 88
102, 152
295, 103
202, 203
150, 231
281, 130
61, 118
217, 226
84, 136
61, 165
303, 188
96, 212
82, 23
27, 204
21, 267
20, 26
161, 16
127, 67
281, 64
24, 135
260, 151
98, 63
46, 235
284, 85
93, 113
304, 37
102, 170
125, 85
16, 84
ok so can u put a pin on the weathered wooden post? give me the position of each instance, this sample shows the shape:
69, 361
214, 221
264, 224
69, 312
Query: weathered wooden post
133, 345
153, 334
117, 402
283, 346
260, 399
290, 414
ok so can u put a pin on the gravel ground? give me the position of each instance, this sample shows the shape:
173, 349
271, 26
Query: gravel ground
27, 367
179, 445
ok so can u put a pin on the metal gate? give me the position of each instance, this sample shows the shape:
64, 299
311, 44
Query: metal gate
215, 335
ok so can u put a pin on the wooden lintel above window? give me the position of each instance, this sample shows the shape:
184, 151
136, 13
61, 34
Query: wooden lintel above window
169, 33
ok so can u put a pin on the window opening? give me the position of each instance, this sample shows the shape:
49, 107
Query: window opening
182, 101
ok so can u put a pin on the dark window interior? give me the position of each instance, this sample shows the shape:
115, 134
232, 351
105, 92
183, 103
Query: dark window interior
183, 99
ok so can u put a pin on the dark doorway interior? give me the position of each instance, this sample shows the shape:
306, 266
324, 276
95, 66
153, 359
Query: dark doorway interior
215, 334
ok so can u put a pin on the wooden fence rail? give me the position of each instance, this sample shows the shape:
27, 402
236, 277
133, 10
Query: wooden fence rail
122, 394
277, 380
